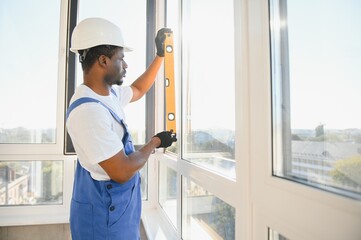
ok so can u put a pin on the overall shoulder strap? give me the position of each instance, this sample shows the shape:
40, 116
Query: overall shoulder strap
78, 102
113, 91
82, 100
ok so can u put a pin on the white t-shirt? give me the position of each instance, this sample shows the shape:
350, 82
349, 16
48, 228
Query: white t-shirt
95, 134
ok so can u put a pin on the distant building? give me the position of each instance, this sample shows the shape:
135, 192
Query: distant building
13, 187
313, 161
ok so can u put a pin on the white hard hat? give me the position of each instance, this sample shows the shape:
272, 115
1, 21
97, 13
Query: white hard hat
93, 32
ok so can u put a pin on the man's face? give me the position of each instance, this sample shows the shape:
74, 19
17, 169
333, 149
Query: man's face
117, 68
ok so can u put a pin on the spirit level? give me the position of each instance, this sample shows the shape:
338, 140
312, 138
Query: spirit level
169, 83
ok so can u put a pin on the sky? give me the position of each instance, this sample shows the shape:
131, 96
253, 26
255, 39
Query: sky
28, 65
325, 63
209, 64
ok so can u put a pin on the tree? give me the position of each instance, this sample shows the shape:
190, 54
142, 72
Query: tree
320, 131
348, 172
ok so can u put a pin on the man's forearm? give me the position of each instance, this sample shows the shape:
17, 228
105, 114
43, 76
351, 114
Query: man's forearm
137, 159
146, 80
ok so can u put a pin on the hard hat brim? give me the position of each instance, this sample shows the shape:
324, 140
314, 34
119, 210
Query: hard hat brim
126, 49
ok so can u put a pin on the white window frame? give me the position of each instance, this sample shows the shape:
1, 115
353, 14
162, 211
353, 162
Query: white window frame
294, 210
45, 214
57, 147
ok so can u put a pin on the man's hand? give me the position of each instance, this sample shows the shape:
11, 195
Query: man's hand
159, 40
166, 138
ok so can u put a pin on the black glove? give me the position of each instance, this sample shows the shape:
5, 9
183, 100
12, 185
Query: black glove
159, 40
166, 138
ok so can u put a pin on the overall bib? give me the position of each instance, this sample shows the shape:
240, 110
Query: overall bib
105, 209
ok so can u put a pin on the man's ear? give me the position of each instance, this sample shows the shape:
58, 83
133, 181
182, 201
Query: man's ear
102, 60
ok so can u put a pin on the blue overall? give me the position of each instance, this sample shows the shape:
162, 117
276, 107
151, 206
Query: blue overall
105, 209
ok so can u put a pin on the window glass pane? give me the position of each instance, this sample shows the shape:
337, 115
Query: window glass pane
316, 93
28, 69
130, 16
168, 192
208, 78
273, 235
205, 216
31, 182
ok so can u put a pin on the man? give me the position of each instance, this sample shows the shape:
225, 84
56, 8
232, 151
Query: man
106, 202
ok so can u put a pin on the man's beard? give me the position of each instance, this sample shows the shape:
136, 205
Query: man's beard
114, 82
119, 82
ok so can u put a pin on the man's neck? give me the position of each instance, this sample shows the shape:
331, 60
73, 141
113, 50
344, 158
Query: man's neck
95, 82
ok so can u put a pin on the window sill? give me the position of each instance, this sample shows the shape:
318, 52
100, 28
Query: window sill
157, 226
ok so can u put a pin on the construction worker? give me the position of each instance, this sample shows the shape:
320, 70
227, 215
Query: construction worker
106, 201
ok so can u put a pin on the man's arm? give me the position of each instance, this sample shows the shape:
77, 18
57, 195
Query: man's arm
121, 168
146, 80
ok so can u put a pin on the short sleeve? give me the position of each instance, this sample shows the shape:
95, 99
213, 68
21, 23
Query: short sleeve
90, 128
124, 94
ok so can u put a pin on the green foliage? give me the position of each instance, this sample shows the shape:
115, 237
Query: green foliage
224, 219
348, 171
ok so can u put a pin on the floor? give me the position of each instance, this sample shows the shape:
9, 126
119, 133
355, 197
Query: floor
43, 232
